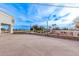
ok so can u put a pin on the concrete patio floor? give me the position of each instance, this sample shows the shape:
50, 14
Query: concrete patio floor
33, 45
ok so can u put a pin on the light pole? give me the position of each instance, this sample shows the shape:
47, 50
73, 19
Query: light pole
47, 27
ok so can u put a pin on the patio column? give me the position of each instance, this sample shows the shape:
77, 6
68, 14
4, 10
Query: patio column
11, 28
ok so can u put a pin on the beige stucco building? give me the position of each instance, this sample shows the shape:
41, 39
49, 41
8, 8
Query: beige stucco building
6, 19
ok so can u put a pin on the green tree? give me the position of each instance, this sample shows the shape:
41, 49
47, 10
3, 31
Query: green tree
65, 28
37, 28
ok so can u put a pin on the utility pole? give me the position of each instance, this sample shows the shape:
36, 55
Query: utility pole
47, 27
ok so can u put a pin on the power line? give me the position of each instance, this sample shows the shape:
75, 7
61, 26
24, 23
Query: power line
59, 5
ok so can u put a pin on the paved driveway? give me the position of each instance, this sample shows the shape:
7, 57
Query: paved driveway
32, 45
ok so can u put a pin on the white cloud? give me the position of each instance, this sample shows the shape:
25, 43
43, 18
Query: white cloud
74, 12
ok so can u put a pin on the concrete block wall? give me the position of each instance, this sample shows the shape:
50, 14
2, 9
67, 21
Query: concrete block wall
72, 33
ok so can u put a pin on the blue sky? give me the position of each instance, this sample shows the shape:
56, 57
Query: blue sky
26, 14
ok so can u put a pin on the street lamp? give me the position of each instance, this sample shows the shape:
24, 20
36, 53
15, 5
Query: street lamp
47, 27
